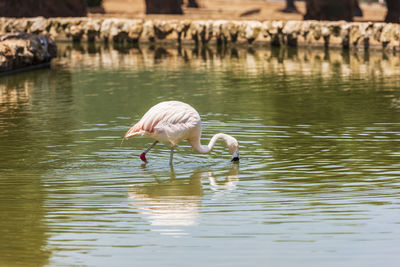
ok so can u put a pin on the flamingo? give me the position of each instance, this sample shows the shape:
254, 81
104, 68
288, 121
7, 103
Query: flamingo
171, 122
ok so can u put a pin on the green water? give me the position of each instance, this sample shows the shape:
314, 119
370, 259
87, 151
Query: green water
318, 182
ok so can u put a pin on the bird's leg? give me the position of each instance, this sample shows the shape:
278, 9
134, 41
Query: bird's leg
171, 156
143, 155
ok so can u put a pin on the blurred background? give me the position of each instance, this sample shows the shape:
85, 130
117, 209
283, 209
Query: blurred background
349, 10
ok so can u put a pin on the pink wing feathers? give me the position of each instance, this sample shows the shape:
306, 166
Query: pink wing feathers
170, 122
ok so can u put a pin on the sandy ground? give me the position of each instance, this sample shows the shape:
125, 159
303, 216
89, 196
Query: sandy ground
228, 9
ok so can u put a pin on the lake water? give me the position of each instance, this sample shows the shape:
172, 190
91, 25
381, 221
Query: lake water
318, 182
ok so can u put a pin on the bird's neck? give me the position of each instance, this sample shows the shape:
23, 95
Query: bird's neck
207, 148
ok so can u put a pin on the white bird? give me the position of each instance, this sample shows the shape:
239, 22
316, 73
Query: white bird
171, 122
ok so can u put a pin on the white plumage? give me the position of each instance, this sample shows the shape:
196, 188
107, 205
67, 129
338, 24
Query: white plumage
172, 122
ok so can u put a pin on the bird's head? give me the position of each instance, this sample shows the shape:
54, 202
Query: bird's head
233, 147
235, 156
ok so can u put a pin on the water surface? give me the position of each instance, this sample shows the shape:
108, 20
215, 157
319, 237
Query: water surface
317, 185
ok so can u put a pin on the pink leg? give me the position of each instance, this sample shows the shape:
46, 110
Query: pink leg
143, 155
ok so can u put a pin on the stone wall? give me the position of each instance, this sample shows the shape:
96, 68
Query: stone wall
277, 33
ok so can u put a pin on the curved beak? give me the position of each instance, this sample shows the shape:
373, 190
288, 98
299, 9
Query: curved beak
235, 156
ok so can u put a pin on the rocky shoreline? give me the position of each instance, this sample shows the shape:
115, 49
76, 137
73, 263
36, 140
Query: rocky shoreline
22, 51
277, 33
29, 42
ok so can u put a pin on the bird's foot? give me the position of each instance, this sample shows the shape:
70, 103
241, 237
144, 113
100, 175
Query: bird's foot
143, 157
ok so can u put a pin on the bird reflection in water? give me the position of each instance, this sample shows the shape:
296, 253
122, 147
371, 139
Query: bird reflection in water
172, 205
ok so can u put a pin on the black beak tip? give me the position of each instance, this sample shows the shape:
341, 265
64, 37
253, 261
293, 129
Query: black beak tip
235, 159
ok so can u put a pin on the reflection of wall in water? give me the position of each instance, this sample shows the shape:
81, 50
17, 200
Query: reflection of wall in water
29, 103
255, 61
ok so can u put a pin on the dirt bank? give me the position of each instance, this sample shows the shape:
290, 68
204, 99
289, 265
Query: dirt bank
45, 8
229, 10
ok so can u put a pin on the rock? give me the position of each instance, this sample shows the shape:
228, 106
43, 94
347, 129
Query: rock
180, 27
367, 30
135, 30
360, 34
105, 29
16, 25
250, 30
375, 39
291, 30
21, 50
162, 29
92, 29
76, 29
148, 31
119, 31
335, 28
220, 31
305, 30
201, 30
389, 35
38, 25
273, 29
345, 35
316, 31
233, 29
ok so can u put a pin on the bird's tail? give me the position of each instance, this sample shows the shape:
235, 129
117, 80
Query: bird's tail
135, 130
